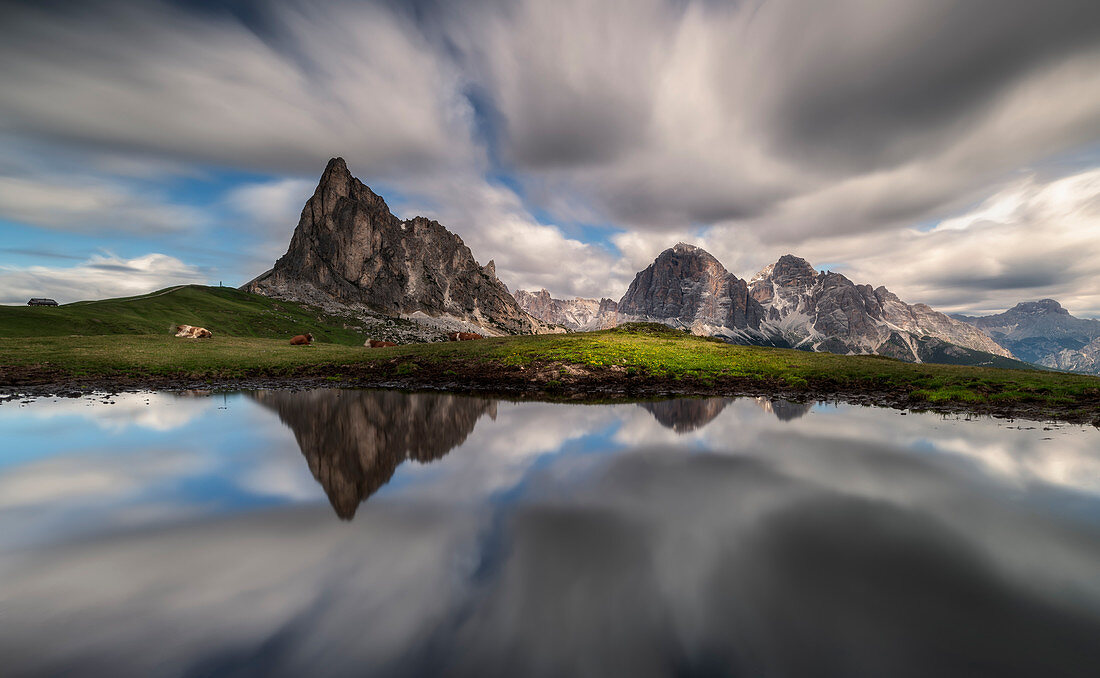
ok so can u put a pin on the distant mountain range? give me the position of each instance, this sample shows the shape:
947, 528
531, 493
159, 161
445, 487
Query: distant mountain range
349, 252
581, 315
1044, 333
787, 304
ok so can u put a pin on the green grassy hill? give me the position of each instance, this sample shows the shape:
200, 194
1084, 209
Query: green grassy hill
223, 310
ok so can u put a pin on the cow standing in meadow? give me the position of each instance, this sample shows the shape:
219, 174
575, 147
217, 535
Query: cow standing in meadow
302, 340
375, 343
464, 336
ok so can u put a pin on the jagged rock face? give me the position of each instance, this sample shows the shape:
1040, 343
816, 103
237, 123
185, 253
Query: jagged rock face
1085, 359
1044, 333
687, 287
349, 247
353, 441
582, 315
826, 311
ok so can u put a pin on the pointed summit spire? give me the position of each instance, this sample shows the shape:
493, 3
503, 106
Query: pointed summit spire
349, 248
336, 166
336, 175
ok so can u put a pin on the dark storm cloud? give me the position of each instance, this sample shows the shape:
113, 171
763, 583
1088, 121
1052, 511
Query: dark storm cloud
874, 84
272, 86
795, 116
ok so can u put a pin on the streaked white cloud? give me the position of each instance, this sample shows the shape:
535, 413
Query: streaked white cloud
101, 276
730, 125
494, 223
82, 204
340, 79
154, 411
1032, 239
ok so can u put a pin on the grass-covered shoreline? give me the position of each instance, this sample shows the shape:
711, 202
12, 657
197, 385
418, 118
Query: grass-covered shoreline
640, 360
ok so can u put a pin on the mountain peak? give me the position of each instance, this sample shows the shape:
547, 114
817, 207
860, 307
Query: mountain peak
790, 264
336, 164
787, 269
336, 170
687, 286
349, 248
1040, 307
684, 252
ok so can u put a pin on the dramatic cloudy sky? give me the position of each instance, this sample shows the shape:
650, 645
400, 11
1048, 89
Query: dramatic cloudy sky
947, 149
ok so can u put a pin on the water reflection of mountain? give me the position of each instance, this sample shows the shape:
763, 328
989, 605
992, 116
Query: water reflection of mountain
353, 441
686, 414
784, 410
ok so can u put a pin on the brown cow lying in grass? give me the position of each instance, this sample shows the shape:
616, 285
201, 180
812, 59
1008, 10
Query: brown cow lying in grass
302, 340
375, 343
464, 336
190, 332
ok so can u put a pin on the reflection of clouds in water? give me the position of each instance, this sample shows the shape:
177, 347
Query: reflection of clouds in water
133, 478
499, 451
664, 557
876, 544
152, 411
58, 497
653, 562
92, 477
204, 598
1014, 452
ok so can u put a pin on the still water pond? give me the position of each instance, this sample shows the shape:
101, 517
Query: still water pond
378, 533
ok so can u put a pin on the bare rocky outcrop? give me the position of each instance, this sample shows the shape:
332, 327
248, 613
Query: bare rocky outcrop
579, 314
1085, 359
353, 441
348, 248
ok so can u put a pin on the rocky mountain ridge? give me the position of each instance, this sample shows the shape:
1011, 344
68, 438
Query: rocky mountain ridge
1044, 333
580, 315
788, 304
349, 249
825, 311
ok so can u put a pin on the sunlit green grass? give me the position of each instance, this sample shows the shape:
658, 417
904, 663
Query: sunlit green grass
638, 353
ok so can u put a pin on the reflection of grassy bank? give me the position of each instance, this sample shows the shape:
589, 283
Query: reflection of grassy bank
632, 359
